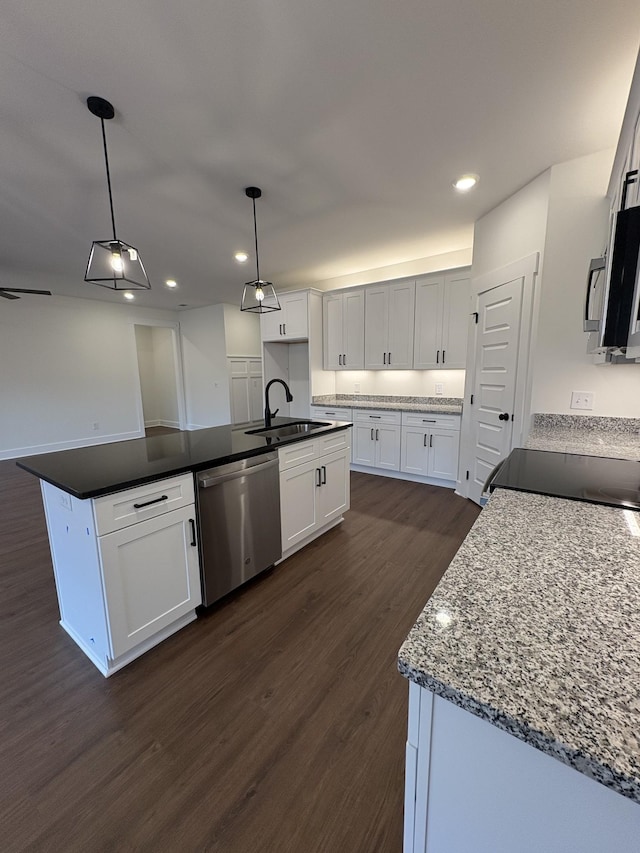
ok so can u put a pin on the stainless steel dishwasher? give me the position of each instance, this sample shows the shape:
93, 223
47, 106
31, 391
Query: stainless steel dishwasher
239, 519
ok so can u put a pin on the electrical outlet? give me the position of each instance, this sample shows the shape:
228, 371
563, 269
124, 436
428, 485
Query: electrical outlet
582, 400
356, 387
95, 425
439, 389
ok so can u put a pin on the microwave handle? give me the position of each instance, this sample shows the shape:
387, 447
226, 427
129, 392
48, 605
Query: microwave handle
589, 325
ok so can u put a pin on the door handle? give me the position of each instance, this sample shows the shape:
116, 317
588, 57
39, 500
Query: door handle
443, 352
438, 357
284, 328
389, 354
318, 478
504, 416
377, 433
425, 439
193, 532
371, 433
280, 328
344, 360
154, 501
340, 360
431, 440
384, 358
323, 482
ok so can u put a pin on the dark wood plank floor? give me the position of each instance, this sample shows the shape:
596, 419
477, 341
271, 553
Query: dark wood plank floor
274, 723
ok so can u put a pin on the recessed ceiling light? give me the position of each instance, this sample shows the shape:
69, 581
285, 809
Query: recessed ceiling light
466, 182
128, 295
241, 257
170, 282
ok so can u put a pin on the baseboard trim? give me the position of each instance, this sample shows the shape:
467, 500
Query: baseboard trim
401, 475
36, 450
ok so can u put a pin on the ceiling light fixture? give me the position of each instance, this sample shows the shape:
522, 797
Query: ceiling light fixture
128, 295
258, 296
466, 183
170, 282
113, 263
241, 257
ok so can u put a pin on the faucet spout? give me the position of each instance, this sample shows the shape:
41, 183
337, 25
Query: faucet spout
268, 414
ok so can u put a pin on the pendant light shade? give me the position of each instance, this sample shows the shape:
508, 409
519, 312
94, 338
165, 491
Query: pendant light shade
113, 263
258, 296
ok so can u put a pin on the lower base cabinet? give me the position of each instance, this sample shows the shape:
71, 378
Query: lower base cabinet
314, 487
376, 440
126, 567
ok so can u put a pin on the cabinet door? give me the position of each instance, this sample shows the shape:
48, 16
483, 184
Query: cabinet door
271, 324
376, 324
299, 488
428, 324
415, 451
387, 447
443, 454
401, 322
240, 413
255, 398
455, 322
332, 326
151, 577
353, 330
334, 492
364, 447
296, 319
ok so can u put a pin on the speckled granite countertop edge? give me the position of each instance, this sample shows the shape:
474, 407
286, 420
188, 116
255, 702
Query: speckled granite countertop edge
605, 775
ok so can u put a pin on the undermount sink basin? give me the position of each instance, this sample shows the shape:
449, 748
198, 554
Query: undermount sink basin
286, 430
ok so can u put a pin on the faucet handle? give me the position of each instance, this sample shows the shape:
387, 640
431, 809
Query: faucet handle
273, 414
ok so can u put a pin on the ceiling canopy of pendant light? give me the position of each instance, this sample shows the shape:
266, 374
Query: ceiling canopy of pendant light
258, 296
113, 263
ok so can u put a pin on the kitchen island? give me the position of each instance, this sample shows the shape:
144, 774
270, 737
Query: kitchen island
123, 524
524, 666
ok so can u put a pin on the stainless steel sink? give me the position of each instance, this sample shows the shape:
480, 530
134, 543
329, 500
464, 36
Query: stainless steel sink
287, 430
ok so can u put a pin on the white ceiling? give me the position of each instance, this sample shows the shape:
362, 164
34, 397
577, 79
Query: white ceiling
353, 116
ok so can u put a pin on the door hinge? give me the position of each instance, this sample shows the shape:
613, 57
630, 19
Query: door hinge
471, 400
467, 477
476, 317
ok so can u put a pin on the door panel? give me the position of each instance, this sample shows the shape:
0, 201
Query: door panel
401, 321
387, 446
334, 492
455, 323
428, 324
415, 451
364, 448
376, 327
298, 502
333, 331
353, 330
443, 454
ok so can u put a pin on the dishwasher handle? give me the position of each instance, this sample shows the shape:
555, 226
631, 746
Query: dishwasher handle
205, 482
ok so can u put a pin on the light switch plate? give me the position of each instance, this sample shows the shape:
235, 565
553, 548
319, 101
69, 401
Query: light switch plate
439, 389
582, 400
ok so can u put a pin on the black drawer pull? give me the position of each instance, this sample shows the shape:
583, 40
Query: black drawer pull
375, 416
193, 532
323, 482
154, 501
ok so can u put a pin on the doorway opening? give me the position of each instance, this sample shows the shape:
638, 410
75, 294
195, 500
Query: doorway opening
161, 402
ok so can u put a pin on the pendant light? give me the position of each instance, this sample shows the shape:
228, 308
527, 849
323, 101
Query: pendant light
113, 263
258, 296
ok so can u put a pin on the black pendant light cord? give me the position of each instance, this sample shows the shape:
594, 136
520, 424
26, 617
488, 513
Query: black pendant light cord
106, 162
255, 234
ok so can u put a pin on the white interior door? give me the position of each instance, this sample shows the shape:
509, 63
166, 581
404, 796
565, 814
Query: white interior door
494, 388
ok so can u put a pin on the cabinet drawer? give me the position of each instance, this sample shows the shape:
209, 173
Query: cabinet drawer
376, 416
332, 413
334, 441
113, 512
296, 454
428, 421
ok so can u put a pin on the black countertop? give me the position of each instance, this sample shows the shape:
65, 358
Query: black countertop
87, 472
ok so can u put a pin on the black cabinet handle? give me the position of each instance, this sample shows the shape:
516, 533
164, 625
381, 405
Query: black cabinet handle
443, 352
371, 433
323, 482
377, 434
193, 532
428, 421
375, 416
425, 439
344, 360
389, 354
284, 328
154, 501
318, 478
504, 416
438, 357
431, 440
384, 358
340, 360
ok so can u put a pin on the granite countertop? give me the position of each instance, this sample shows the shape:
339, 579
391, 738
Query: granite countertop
535, 627
430, 405
101, 469
617, 438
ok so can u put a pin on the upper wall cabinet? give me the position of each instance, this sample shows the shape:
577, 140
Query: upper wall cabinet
289, 324
441, 322
343, 330
389, 313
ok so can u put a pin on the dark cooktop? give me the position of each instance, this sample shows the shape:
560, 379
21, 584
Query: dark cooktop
595, 479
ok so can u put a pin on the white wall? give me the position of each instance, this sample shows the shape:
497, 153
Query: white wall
206, 377
67, 365
576, 232
242, 331
513, 230
418, 383
146, 372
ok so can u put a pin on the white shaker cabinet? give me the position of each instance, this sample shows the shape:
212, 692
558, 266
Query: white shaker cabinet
245, 380
441, 322
291, 322
126, 567
389, 326
376, 442
314, 487
343, 330
430, 445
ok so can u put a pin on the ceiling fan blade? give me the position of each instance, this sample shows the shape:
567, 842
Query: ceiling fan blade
22, 290
6, 295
